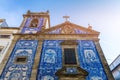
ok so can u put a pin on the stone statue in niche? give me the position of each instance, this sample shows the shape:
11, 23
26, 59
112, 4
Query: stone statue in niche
34, 23
50, 56
89, 56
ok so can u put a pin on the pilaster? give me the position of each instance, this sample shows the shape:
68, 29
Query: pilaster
104, 62
36, 61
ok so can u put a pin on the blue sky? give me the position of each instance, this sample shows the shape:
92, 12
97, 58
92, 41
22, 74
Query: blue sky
102, 15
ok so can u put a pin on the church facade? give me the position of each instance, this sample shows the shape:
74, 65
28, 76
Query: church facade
66, 51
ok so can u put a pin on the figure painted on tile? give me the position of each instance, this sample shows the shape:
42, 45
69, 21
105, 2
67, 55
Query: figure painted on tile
89, 55
50, 56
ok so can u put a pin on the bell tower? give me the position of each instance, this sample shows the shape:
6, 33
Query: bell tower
34, 22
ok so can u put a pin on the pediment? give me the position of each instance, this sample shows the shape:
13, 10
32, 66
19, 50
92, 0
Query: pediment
69, 28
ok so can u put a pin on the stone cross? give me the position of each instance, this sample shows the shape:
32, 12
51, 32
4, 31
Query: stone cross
66, 17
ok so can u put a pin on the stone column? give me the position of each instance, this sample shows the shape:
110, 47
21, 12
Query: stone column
36, 61
104, 62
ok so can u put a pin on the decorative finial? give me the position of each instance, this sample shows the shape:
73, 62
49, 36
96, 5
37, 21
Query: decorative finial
28, 11
47, 11
89, 26
66, 17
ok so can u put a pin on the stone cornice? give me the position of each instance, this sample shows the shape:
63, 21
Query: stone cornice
38, 14
57, 36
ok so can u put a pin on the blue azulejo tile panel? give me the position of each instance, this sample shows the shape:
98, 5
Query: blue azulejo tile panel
57, 31
50, 61
80, 31
20, 71
90, 60
27, 29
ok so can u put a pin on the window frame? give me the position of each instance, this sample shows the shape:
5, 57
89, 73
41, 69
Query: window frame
69, 44
22, 62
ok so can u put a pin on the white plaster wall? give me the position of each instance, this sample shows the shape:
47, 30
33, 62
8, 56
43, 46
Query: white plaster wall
6, 42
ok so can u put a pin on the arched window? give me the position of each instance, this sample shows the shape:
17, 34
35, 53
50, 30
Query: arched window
34, 23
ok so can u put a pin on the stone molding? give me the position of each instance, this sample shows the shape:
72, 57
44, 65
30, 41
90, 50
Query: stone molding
104, 61
36, 61
56, 36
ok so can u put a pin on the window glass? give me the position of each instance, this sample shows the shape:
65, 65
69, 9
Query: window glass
1, 47
69, 56
5, 36
21, 59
